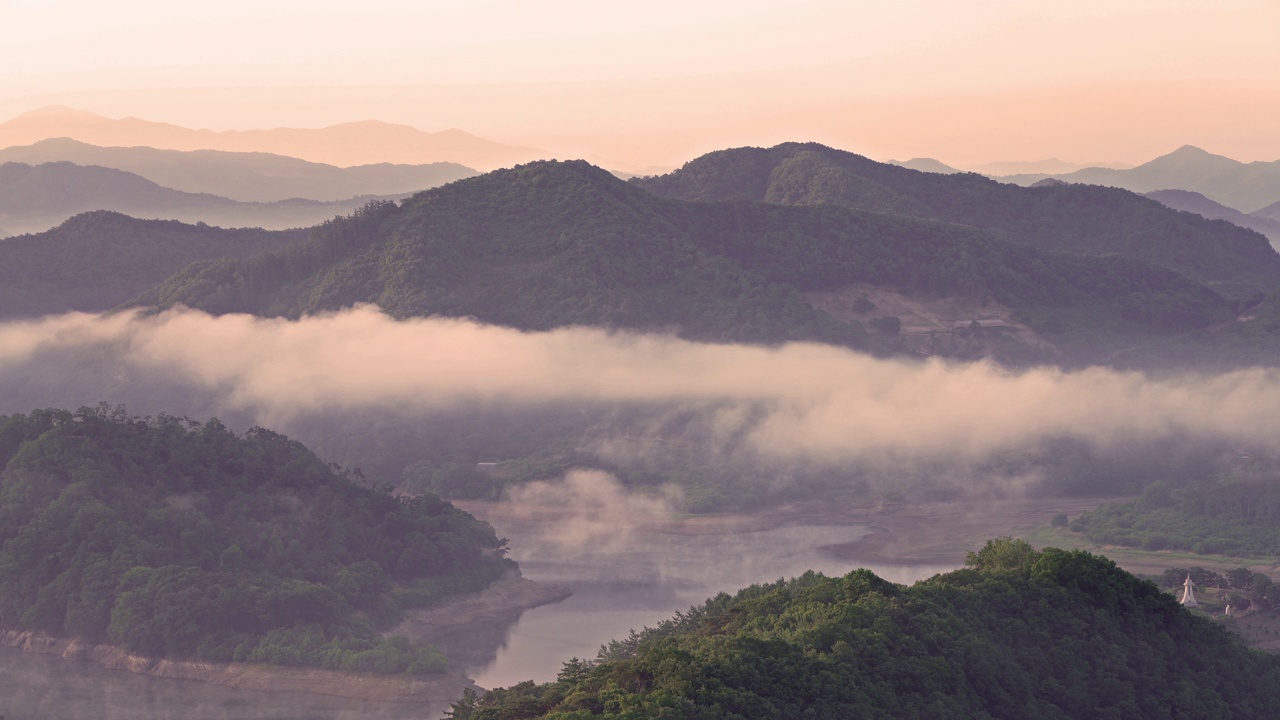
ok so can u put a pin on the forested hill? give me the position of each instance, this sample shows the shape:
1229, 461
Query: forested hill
178, 539
1018, 634
1082, 219
559, 243
98, 260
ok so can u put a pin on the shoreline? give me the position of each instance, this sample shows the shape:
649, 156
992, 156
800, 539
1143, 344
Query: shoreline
445, 687
502, 601
943, 533
905, 533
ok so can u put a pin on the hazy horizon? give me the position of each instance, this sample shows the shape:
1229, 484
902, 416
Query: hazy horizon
1092, 82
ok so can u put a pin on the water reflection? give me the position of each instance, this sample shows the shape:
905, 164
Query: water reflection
638, 578
42, 687
645, 579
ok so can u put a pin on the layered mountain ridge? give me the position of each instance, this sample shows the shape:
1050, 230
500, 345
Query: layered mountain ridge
243, 176
346, 144
561, 243
95, 261
1075, 218
1246, 187
36, 198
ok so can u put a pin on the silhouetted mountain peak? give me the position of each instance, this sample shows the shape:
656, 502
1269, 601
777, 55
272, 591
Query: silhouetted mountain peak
58, 111
924, 164
344, 145
1189, 156
1175, 193
94, 220
60, 143
556, 176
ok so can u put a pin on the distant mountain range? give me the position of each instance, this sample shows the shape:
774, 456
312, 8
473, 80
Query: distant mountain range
1076, 218
553, 244
1265, 221
1270, 212
345, 145
1194, 202
1246, 187
926, 165
1051, 165
997, 169
796, 242
98, 260
240, 176
36, 198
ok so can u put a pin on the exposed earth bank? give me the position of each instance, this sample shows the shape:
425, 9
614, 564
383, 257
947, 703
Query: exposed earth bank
445, 687
500, 603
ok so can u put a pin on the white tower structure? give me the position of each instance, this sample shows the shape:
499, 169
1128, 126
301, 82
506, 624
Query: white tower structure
1189, 592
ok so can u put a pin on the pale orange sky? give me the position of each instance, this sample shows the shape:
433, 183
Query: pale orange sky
656, 83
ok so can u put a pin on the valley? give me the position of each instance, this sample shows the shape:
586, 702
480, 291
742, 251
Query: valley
594, 361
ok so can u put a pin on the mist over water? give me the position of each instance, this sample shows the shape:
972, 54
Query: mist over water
778, 407
798, 401
630, 566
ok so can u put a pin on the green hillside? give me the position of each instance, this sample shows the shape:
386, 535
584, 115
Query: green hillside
98, 260
1075, 218
1017, 634
1235, 511
178, 539
1252, 340
551, 244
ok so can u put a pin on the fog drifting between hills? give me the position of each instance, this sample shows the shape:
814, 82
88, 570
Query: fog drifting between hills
810, 401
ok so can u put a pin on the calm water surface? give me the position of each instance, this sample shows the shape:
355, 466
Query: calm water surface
646, 577
43, 687
621, 581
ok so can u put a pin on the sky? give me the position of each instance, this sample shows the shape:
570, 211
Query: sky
659, 82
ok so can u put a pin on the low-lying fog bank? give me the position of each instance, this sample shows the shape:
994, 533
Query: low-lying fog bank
821, 402
358, 375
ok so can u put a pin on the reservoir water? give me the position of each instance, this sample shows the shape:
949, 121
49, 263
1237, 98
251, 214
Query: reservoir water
646, 577
43, 687
621, 579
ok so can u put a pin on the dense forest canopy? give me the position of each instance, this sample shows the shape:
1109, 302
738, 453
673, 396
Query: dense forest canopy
1082, 219
179, 539
1017, 634
97, 260
553, 244
1234, 513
